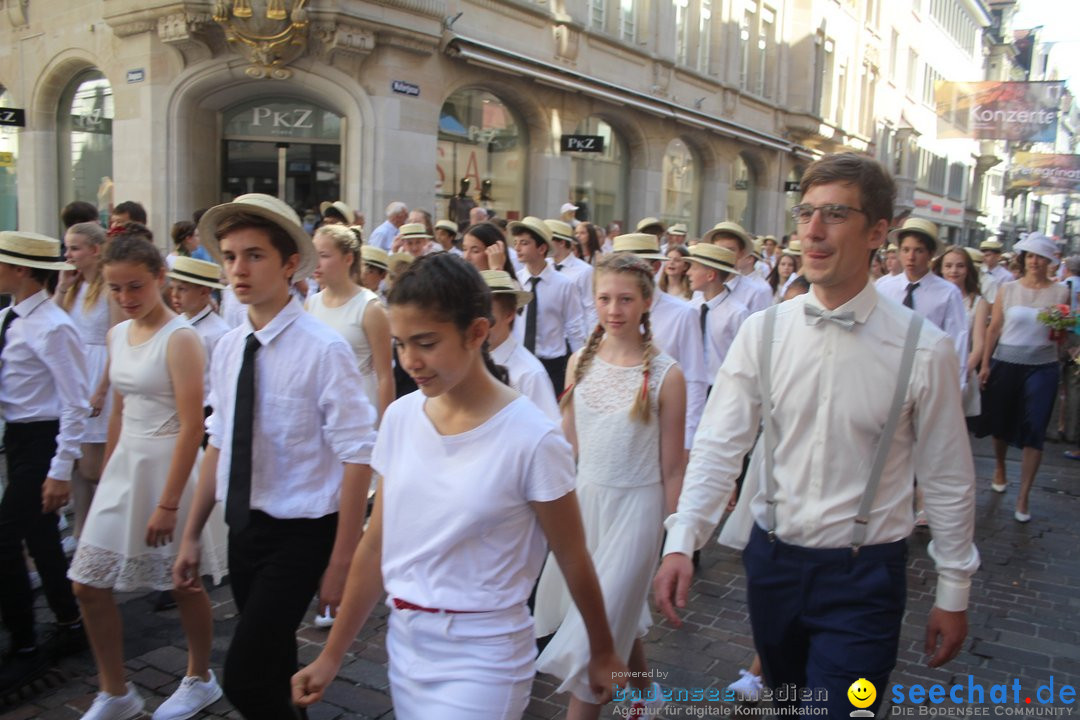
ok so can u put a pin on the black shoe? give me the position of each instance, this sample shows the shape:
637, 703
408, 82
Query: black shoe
67, 639
164, 601
20, 668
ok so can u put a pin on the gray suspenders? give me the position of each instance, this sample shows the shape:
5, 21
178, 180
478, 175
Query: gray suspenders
903, 377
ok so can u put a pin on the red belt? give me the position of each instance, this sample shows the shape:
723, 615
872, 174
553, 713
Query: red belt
406, 605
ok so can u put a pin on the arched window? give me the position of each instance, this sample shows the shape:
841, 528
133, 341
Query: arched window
9, 157
481, 157
598, 180
742, 197
85, 140
680, 185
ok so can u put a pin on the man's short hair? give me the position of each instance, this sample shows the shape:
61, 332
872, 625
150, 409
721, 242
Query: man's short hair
877, 190
395, 208
77, 212
132, 209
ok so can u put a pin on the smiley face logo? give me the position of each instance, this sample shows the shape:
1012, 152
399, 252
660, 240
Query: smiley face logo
862, 693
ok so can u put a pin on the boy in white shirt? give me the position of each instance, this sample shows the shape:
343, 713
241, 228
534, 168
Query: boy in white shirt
750, 290
720, 313
289, 453
193, 281
580, 272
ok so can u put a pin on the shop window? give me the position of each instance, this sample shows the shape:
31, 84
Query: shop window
85, 141
598, 181
680, 185
742, 197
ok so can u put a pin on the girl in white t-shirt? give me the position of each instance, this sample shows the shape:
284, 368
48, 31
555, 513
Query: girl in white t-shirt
625, 412
354, 311
457, 534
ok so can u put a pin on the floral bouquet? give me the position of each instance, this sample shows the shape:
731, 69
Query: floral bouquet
1059, 319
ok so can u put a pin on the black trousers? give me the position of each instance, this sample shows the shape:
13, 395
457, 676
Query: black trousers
274, 569
30, 449
556, 370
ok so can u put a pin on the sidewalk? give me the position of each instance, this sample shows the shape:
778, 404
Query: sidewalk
1024, 621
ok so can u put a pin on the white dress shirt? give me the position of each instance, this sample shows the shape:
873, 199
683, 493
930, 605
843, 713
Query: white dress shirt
581, 273
528, 376
211, 327
233, 312
726, 315
988, 285
940, 302
751, 291
43, 376
383, 236
559, 315
306, 424
1001, 274
831, 392
677, 332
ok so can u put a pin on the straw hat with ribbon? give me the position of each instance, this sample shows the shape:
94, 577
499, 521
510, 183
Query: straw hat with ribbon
501, 283
266, 207
198, 272
560, 230
341, 208
448, 225
677, 230
917, 226
532, 225
644, 225
713, 256
375, 256
794, 248
31, 250
644, 245
730, 228
992, 244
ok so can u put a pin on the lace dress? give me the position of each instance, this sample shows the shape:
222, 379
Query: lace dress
93, 325
112, 550
622, 505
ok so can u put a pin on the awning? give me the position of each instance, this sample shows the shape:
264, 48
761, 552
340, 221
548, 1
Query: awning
488, 56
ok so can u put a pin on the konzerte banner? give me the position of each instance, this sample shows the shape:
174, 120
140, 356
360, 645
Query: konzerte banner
1020, 111
1044, 173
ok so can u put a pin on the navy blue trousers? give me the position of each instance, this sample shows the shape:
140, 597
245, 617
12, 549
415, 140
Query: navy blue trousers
823, 618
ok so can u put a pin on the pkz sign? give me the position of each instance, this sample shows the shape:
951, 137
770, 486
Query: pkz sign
13, 116
281, 119
583, 143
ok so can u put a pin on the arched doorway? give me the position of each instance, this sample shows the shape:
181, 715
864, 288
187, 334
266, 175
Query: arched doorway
9, 159
480, 157
84, 135
598, 181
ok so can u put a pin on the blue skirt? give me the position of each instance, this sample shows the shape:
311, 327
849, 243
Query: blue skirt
1017, 403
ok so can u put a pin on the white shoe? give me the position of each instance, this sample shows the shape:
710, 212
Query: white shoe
116, 707
193, 695
325, 620
35, 580
62, 521
747, 688
651, 703
69, 544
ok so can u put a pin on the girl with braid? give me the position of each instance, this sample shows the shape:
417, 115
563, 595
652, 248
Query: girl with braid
624, 411
457, 534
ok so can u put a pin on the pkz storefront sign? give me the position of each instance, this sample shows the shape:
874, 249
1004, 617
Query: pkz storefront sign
14, 117
583, 143
281, 119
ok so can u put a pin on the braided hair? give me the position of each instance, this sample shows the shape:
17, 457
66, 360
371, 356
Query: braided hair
623, 264
449, 287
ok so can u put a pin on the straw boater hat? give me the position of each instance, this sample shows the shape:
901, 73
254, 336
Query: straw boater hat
892, 247
730, 228
375, 256
31, 250
975, 254
448, 225
501, 283
794, 247
399, 261
197, 272
344, 210
533, 225
413, 230
713, 256
560, 230
916, 226
644, 245
992, 244
269, 208
650, 222
1038, 244
678, 230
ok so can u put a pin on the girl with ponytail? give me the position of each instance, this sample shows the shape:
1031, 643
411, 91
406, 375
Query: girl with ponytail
624, 410
474, 476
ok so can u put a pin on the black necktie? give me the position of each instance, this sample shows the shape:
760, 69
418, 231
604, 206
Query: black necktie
238, 500
558, 267
909, 300
530, 318
8, 319
704, 314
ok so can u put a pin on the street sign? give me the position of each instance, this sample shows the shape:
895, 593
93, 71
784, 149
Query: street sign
136, 76
13, 116
404, 88
791, 186
583, 143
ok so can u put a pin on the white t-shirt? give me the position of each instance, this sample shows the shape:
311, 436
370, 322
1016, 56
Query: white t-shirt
458, 530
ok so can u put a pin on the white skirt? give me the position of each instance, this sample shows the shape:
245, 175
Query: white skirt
460, 666
623, 531
97, 428
112, 551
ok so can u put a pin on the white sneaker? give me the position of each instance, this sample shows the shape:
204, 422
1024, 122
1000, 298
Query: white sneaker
325, 620
69, 544
192, 696
650, 705
35, 580
747, 688
116, 707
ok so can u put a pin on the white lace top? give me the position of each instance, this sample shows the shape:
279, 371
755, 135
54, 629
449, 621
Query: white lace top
614, 449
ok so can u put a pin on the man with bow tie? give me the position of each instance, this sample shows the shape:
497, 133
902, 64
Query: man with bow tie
856, 396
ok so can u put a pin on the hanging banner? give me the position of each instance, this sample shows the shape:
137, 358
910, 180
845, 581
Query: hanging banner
1044, 173
1018, 111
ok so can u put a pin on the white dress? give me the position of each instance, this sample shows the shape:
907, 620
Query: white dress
622, 506
112, 551
348, 320
93, 325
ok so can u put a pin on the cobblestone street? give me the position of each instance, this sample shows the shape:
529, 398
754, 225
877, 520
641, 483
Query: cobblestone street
1024, 621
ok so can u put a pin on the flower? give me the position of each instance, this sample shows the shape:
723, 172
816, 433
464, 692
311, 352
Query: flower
1058, 317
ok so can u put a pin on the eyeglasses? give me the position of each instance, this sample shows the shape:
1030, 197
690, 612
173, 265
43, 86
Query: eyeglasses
831, 213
